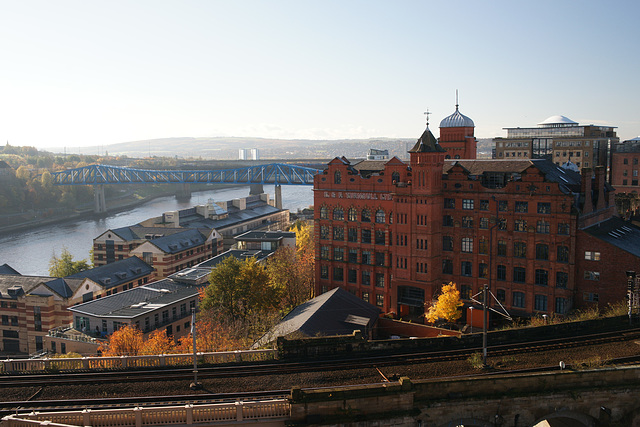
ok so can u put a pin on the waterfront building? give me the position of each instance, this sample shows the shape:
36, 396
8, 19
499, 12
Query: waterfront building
375, 154
559, 139
392, 232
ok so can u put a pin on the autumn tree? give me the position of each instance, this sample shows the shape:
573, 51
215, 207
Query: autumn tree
446, 306
64, 265
237, 288
158, 343
126, 341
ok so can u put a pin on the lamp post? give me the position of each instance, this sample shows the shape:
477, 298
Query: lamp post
471, 318
484, 325
195, 385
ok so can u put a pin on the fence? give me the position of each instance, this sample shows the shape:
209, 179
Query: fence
157, 416
124, 362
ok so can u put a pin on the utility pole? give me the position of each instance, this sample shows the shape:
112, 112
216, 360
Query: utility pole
195, 385
484, 325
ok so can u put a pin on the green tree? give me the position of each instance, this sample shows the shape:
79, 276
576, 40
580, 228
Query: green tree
23, 173
446, 306
237, 288
64, 265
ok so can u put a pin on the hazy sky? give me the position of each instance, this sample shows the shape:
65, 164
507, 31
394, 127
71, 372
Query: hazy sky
84, 73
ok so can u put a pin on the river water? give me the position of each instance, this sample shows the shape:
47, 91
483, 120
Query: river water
30, 251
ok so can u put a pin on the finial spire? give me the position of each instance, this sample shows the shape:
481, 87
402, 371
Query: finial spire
427, 113
456, 99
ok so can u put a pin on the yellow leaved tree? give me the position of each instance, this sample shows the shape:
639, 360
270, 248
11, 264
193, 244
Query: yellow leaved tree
447, 305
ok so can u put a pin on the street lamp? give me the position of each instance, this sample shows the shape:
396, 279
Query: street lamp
471, 318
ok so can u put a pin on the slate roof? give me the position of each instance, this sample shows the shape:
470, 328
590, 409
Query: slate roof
138, 232
137, 301
241, 254
264, 236
619, 233
116, 273
234, 217
64, 287
336, 312
7, 269
427, 143
178, 242
569, 180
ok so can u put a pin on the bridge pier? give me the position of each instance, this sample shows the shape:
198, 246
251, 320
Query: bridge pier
278, 195
100, 206
256, 189
183, 192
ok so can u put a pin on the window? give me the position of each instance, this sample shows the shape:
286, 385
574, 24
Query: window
522, 207
588, 296
563, 254
380, 237
592, 256
466, 268
542, 277
502, 248
467, 222
447, 266
324, 212
366, 235
352, 235
592, 275
465, 291
544, 208
483, 270
502, 224
337, 177
519, 274
338, 254
338, 233
338, 214
520, 249
366, 278
353, 256
542, 251
365, 216
365, 296
563, 228
561, 305
352, 275
501, 272
484, 205
562, 279
447, 243
380, 258
540, 303
503, 206
467, 204
501, 295
324, 252
449, 203
447, 221
520, 225
366, 257
380, 280
467, 244
625, 161
37, 318
543, 227
338, 274
484, 223
518, 299
352, 214
379, 300
380, 216
483, 246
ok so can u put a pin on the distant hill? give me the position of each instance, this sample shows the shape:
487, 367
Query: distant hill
226, 148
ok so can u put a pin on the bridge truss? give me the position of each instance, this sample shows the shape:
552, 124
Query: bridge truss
274, 173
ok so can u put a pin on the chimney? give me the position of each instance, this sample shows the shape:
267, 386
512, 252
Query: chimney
586, 190
599, 184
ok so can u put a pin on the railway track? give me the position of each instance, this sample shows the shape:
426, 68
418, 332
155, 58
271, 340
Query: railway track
284, 367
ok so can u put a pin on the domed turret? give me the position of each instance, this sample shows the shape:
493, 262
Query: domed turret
457, 120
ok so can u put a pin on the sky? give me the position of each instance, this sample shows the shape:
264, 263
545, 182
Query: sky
90, 73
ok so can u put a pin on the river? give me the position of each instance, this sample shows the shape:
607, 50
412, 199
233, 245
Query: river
30, 251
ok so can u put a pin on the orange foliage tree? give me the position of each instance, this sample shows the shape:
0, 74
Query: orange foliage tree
158, 343
126, 341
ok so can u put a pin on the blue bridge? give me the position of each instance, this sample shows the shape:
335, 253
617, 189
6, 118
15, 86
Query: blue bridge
99, 175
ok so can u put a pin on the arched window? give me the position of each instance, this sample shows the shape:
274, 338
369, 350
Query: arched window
353, 214
365, 216
337, 177
380, 216
324, 212
447, 156
391, 218
395, 177
457, 156
338, 214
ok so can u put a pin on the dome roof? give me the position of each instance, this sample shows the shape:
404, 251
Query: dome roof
457, 120
557, 120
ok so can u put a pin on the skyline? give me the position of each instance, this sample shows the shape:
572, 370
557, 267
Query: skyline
80, 74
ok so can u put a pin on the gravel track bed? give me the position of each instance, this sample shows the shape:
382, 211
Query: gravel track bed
575, 358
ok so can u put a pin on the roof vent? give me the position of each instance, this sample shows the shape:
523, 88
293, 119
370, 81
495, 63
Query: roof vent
121, 275
15, 291
106, 280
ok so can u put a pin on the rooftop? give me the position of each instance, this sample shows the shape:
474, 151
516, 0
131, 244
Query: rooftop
619, 233
117, 273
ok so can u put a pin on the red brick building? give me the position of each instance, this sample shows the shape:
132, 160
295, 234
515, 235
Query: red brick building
393, 232
457, 136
